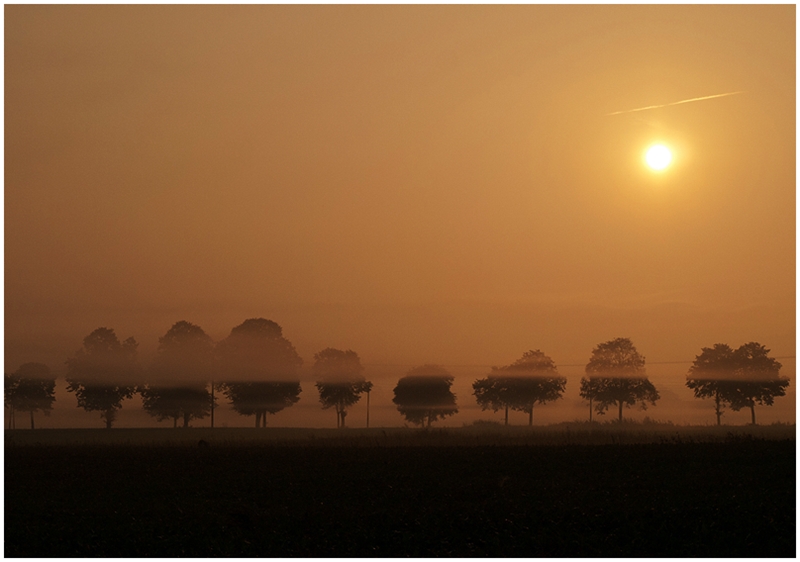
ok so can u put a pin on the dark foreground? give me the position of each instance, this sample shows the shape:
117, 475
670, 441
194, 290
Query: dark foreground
671, 499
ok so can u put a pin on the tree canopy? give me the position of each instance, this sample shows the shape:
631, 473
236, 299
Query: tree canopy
103, 373
424, 395
531, 379
30, 388
740, 378
340, 382
616, 376
258, 369
177, 380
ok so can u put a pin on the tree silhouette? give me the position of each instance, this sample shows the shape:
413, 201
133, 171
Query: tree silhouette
590, 390
519, 386
30, 388
103, 373
340, 382
259, 369
757, 379
739, 378
9, 385
424, 395
178, 378
616, 375
712, 376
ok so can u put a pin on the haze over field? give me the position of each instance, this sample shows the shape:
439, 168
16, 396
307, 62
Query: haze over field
449, 185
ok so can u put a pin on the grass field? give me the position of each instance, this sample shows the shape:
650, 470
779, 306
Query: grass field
482, 434
476, 491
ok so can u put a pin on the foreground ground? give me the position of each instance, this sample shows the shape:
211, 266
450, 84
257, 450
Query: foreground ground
373, 494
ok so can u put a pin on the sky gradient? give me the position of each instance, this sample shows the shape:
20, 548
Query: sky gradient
421, 184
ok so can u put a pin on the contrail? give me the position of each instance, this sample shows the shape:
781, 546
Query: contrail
676, 103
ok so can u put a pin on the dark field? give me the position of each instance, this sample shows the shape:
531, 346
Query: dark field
329, 497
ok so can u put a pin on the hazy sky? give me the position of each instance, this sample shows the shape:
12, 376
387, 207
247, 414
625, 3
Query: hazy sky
422, 184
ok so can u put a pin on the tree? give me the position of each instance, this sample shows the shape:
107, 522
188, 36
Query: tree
179, 375
261, 398
30, 388
616, 375
103, 373
259, 369
757, 379
10, 383
340, 382
519, 386
424, 395
739, 378
590, 390
712, 376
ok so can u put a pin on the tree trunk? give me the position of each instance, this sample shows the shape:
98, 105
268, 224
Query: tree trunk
506, 415
32, 419
429, 420
753, 412
109, 418
185, 419
620, 411
264, 419
174, 422
258, 420
530, 418
717, 408
368, 408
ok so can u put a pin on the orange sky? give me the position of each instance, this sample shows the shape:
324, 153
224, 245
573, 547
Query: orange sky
422, 184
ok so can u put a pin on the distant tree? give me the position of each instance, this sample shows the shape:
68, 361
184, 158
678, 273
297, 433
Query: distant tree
259, 369
103, 373
712, 376
261, 398
616, 375
739, 378
179, 376
10, 382
30, 388
424, 395
340, 382
757, 377
590, 390
519, 386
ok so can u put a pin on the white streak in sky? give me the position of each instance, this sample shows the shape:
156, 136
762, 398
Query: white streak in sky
675, 103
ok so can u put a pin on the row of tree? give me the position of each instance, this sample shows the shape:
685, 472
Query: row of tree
255, 367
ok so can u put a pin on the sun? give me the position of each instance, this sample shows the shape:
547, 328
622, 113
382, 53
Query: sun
658, 157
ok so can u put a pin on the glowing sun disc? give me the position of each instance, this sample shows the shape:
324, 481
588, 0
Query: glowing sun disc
658, 157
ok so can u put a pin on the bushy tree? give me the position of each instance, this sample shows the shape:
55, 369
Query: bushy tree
616, 376
30, 388
758, 378
261, 398
259, 369
103, 373
531, 379
424, 395
178, 378
340, 382
740, 378
712, 376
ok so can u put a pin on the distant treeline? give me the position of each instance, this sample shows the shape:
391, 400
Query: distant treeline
256, 369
